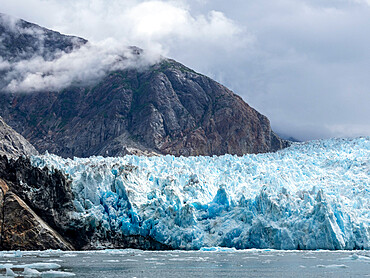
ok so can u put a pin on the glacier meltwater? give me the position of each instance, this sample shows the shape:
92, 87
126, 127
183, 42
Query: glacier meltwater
313, 195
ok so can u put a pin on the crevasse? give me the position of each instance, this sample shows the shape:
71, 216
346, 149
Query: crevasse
313, 195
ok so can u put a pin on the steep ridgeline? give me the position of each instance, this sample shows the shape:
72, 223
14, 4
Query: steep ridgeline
34, 206
13, 144
22, 40
27, 192
165, 108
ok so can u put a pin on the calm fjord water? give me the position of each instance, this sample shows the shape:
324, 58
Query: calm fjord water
219, 263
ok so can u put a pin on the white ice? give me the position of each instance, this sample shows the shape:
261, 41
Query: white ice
53, 273
34, 270
29, 272
313, 195
39, 266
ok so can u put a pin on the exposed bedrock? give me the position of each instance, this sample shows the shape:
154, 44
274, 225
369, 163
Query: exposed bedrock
160, 108
22, 229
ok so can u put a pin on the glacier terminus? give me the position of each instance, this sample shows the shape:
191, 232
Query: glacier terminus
312, 195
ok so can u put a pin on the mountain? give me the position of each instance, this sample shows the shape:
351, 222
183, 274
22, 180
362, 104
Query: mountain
75, 99
160, 108
13, 144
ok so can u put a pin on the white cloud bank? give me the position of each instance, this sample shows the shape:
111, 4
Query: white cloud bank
83, 66
37, 67
147, 24
156, 26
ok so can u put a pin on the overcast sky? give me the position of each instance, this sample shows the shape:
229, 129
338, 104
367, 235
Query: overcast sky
304, 64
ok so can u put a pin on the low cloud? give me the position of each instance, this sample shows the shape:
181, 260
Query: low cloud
86, 65
54, 69
156, 26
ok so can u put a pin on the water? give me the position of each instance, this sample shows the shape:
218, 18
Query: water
163, 264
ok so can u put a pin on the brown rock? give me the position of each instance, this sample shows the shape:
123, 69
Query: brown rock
3, 188
22, 229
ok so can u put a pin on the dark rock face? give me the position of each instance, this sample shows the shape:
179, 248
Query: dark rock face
20, 226
163, 109
167, 109
48, 195
13, 144
22, 229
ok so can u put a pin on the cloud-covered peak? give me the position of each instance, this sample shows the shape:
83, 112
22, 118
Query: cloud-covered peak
33, 58
23, 40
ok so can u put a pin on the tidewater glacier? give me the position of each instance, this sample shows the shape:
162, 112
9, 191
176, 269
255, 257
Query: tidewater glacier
313, 195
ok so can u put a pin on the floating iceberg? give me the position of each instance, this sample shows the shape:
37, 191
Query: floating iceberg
313, 195
32, 270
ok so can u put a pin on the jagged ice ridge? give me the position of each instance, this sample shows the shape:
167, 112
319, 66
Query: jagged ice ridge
313, 195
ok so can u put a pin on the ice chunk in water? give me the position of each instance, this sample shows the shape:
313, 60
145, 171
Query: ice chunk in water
29, 272
53, 273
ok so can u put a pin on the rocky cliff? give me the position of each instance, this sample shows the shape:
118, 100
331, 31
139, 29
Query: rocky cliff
26, 193
21, 228
163, 108
13, 144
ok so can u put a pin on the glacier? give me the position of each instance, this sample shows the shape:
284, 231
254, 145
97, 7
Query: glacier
311, 195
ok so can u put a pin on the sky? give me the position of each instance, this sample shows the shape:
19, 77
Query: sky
303, 64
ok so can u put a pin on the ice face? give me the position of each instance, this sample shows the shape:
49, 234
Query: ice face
313, 195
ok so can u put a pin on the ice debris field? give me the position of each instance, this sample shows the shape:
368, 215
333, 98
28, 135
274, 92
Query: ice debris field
207, 263
35, 269
313, 195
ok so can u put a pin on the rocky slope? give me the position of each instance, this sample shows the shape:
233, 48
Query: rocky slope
13, 144
165, 108
27, 192
21, 228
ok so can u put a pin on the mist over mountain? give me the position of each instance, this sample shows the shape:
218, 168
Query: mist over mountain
74, 98
33, 58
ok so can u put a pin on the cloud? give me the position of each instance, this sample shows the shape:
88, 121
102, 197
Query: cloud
156, 26
135, 22
156, 20
84, 66
366, 2
36, 67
